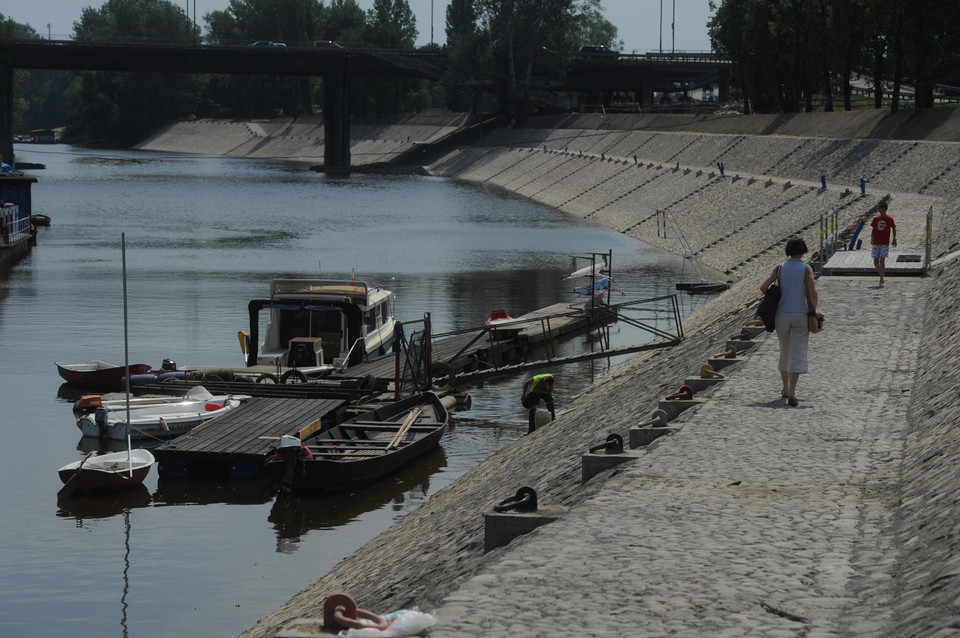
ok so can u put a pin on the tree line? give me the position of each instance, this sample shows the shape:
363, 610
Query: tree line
496, 47
790, 54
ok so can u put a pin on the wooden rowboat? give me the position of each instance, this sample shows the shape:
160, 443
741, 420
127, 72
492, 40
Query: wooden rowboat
98, 375
108, 472
362, 449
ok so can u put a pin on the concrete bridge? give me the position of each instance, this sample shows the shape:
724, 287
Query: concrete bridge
639, 75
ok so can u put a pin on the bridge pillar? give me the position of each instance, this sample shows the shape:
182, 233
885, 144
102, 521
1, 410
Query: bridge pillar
6, 114
336, 122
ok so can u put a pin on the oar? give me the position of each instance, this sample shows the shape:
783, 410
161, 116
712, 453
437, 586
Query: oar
414, 414
70, 486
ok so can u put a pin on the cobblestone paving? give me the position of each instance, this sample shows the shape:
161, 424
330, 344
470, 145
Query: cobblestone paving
755, 519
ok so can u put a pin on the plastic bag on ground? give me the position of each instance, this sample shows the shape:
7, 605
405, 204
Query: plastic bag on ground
406, 622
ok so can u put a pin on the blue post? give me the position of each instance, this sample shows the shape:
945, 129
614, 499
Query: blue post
678, 166
603, 156
634, 159
720, 166
823, 181
544, 147
863, 186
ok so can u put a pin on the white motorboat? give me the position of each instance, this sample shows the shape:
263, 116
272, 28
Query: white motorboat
316, 325
156, 418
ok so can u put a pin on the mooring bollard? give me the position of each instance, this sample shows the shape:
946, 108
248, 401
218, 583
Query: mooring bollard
658, 419
646, 432
524, 501
613, 445
707, 372
515, 516
685, 393
604, 456
729, 353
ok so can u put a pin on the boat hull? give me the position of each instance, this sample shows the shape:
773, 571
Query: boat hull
98, 375
109, 472
357, 452
161, 421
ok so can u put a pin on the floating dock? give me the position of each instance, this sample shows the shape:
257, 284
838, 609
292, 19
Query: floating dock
239, 443
860, 262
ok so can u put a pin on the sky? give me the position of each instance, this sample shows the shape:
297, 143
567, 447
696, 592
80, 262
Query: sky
638, 21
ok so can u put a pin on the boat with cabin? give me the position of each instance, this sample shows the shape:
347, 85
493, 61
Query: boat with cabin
315, 326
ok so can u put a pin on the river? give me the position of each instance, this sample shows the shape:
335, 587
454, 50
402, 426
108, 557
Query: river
203, 236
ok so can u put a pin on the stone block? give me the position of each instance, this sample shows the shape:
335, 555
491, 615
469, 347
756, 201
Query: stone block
674, 407
699, 383
642, 437
499, 528
592, 463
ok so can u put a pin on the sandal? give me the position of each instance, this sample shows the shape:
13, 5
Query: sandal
793, 402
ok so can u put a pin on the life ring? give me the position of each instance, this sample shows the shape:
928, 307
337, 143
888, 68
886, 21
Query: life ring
267, 378
446, 368
340, 610
305, 453
293, 377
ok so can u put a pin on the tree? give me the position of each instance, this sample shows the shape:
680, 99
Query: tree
123, 108
246, 21
15, 30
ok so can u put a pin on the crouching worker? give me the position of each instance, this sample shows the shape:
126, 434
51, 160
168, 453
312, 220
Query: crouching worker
537, 389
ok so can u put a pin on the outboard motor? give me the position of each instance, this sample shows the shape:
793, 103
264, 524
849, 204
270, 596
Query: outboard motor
288, 447
168, 365
100, 417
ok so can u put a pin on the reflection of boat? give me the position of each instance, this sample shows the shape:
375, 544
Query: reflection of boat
83, 506
184, 491
316, 322
98, 375
362, 449
293, 518
108, 472
162, 418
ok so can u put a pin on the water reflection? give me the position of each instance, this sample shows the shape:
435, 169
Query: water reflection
294, 516
98, 506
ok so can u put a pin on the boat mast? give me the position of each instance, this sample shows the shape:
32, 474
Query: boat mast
126, 350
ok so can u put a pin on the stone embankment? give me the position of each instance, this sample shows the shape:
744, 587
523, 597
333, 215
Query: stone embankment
837, 517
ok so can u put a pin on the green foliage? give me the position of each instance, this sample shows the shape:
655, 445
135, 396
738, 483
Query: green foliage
21, 79
511, 41
787, 50
120, 109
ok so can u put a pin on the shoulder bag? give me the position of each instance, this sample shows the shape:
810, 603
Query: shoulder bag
767, 310
814, 318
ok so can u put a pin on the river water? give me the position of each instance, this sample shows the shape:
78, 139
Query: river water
203, 236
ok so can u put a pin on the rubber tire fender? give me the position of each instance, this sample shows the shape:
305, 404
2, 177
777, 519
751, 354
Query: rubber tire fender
291, 377
445, 368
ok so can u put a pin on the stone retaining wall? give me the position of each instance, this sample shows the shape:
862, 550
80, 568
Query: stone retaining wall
736, 223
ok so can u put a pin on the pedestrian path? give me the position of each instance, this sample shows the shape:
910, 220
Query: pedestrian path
756, 518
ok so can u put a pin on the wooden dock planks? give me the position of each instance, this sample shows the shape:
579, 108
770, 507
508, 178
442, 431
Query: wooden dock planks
248, 432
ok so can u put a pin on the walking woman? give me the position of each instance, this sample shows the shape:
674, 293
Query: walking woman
798, 297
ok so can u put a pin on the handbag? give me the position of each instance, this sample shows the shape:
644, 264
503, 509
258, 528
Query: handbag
814, 318
767, 310
814, 322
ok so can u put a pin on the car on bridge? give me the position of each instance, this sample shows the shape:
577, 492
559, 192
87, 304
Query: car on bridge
596, 52
266, 43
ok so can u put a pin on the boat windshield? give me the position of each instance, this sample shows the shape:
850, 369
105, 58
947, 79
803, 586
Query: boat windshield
317, 321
